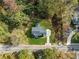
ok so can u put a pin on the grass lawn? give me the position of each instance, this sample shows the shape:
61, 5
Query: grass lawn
39, 41
75, 38
45, 24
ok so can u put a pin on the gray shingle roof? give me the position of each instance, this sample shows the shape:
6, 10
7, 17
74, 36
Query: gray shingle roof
38, 31
76, 22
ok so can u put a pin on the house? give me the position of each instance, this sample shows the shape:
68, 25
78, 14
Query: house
76, 16
38, 31
75, 20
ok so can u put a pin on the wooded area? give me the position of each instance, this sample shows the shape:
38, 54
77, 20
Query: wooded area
17, 17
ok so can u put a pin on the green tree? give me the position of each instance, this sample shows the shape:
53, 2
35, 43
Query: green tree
20, 17
59, 10
4, 34
9, 21
18, 37
75, 38
25, 54
7, 56
14, 20
50, 54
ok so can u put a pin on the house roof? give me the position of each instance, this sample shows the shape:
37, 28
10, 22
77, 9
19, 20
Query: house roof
76, 21
38, 30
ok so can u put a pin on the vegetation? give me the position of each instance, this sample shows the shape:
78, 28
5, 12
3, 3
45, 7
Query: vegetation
45, 54
53, 54
24, 54
7, 56
17, 17
46, 24
22, 15
75, 38
4, 34
59, 10
18, 37
37, 41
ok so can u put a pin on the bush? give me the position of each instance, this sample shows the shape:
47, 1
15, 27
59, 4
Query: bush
25, 54
3, 32
18, 37
75, 38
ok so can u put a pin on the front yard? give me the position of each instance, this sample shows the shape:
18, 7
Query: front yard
38, 41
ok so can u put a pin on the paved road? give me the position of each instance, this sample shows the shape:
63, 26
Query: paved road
10, 49
74, 47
